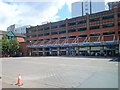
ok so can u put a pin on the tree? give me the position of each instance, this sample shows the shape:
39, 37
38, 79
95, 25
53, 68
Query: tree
0, 47
14, 46
9, 47
5, 45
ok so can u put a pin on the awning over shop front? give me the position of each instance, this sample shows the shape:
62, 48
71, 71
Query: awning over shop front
49, 45
66, 45
110, 43
41, 45
97, 43
86, 44
74, 44
57, 45
34, 46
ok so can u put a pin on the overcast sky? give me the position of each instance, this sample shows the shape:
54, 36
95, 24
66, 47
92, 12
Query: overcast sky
34, 12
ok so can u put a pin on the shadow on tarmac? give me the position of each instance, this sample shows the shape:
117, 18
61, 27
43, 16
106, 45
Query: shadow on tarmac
115, 59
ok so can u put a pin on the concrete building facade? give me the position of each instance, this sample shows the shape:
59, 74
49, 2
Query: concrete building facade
12, 27
87, 7
21, 30
112, 5
91, 34
18, 29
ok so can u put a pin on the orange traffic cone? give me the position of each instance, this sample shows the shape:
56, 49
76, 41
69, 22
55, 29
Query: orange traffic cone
19, 83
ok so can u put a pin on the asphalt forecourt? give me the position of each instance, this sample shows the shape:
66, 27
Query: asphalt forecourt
59, 72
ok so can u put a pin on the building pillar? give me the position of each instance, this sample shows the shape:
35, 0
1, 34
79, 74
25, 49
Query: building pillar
77, 50
119, 49
37, 51
43, 51
102, 50
50, 51
30, 54
58, 51
67, 53
89, 49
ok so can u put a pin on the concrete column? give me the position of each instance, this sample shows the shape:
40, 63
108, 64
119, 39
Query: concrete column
37, 51
31, 52
43, 51
77, 50
89, 49
50, 51
58, 51
119, 49
67, 51
102, 50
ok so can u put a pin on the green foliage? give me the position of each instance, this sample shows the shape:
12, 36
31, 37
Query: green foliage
0, 47
9, 46
14, 45
5, 44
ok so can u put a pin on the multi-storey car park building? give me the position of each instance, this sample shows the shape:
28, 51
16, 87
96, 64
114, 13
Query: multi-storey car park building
94, 34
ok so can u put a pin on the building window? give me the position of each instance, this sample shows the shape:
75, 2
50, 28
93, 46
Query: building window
82, 36
34, 40
33, 30
81, 22
118, 14
47, 39
94, 34
82, 29
94, 19
40, 35
62, 38
55, 38
28, 36
40, 29
46, 28
46, 34
28, 31
108, 25
119, 32
53, 27
118, 23
34, 35
71, 30
95, 27
71, 37
118, 10
62, 25
40, 39
108, 17
62, 31
71, 23
54, 33
108, 33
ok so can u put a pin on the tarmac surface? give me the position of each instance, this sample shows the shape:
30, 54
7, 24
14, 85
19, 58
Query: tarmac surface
60, 72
